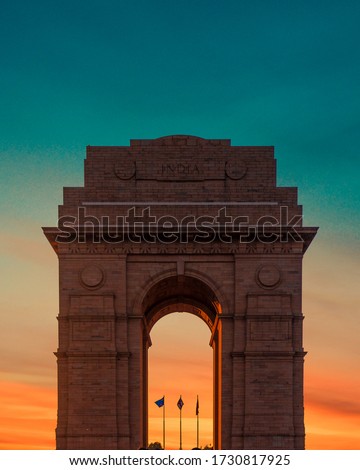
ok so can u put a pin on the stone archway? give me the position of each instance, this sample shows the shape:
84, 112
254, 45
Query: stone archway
170, 222
186, 294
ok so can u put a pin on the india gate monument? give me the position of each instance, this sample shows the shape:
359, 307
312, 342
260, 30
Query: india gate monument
180, 224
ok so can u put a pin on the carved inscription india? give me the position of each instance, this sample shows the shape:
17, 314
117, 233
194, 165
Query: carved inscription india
180, 170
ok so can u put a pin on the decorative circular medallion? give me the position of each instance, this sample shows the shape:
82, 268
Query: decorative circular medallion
125, 169
235, 169
268, 276
92, 277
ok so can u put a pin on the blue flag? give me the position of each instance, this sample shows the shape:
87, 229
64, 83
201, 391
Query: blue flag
160, 402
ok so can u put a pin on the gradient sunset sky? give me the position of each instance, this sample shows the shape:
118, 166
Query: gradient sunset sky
77, 73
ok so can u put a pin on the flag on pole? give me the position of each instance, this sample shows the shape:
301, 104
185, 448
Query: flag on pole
197, 406
160, 402
180, 404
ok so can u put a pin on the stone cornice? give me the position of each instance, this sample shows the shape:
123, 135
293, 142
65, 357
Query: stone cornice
238, 248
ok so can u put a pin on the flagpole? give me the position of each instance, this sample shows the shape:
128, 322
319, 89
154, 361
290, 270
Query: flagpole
164, 424
197, 423
180, 428
161, 404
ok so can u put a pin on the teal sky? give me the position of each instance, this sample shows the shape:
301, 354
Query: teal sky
259, 72
280, 73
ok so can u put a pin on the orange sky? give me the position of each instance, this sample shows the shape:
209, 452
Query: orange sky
28, 337
190, 376
260, 73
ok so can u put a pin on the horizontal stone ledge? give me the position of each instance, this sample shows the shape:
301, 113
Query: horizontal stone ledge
275, 316
123, 355
239, 354
189, 227
79, 436
92, 354
94, 316
91, 317
270, 434
273, 354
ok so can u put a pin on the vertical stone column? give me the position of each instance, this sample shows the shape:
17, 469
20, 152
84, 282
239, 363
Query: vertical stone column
136, 382
215, 343
86, 356
237, 425
268, 401
146, 345
299, 428
269, 373
122, 403
122, 354
299, 354
226, 345
238, 356
63, 400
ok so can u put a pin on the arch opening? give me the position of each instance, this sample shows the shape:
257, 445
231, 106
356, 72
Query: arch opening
191, 296
180, 363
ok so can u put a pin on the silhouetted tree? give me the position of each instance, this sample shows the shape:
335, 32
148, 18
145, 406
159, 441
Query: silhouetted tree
155, 446
208, 447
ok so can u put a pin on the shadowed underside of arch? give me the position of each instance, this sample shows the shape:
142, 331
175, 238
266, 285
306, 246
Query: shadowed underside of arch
178, 294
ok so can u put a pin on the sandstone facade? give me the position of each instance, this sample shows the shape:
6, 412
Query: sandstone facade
180, 223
